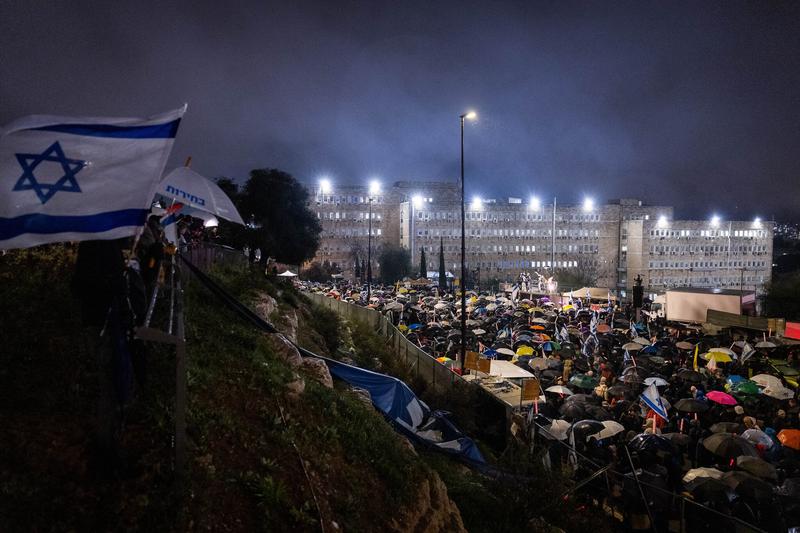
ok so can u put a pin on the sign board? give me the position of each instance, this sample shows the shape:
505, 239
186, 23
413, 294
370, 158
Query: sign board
484, 365
792, 330
531, 389
720, 318
471, 361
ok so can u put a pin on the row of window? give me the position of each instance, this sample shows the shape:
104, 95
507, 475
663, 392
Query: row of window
706, 281
711, 233
346, 199
708, 248
351, 232
347, 215
503, 232
706, 264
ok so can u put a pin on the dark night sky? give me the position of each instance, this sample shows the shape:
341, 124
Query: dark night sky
694, 104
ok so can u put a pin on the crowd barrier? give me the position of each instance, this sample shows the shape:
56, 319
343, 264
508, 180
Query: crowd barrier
421, 363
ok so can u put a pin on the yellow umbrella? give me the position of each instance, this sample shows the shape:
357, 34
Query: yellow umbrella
403, 290
524, 350
718, 357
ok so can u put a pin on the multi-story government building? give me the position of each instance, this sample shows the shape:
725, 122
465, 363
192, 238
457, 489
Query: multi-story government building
613, 242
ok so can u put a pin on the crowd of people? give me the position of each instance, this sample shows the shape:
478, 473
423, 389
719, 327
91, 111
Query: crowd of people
690, 424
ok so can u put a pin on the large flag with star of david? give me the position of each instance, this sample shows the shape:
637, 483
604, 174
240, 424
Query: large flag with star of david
79, 178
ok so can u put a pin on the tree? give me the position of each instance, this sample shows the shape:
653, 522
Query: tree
228, 232
395, 264
571, 278
316, 272
423, 264
442, 270
782, 298
357, 272
285, 228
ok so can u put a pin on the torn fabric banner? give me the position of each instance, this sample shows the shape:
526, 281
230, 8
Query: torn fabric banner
80, 178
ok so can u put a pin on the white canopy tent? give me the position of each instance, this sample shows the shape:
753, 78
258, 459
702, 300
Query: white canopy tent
287, 274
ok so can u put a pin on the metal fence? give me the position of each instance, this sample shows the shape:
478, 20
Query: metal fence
421, 362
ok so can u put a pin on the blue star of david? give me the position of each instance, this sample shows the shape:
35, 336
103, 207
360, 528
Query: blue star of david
45, 191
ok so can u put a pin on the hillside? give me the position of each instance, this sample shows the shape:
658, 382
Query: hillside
270, 448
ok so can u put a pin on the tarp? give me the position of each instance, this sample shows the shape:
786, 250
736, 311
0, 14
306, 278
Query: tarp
399, 403
190, 188
509, 370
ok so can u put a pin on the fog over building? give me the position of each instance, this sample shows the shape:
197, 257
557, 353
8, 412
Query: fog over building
613, 241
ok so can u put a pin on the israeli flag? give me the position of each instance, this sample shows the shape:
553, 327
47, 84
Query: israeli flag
652, 399
593, 325
80, 178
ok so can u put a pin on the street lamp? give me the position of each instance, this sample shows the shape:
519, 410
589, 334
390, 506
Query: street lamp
588, 204
470, 115
715, 221
374, 189
535, 204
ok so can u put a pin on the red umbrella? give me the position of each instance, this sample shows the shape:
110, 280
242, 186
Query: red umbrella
721, 398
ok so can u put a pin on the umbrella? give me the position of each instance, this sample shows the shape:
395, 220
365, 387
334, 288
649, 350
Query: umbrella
721, 398
717, 357
597, 412
582, 398
721, 349
641, 340
790, 438
683, 345
690, 375
557, 430
765, 344
679, 439
584, 429
559, 389
748, 485
582, 381
781, 393
690, 405
479, 331
708, 489
524, 350
767, 380
757, 466
745, 387
645, 442
659, 382
618, 391
572, 410
726, 445
726, 427
538, 363
632, 378
756, 436
603, 328
506, 351
695, 473
632, 346
610, 428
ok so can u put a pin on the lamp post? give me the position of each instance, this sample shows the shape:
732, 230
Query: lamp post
471, 115
374, 188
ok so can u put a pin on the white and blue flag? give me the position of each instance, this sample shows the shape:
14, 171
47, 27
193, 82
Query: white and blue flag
652, 399
80, 178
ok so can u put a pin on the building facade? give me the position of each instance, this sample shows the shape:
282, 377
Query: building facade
613, 242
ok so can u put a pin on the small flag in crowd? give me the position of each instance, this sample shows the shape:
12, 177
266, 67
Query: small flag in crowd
80, 178
652, 399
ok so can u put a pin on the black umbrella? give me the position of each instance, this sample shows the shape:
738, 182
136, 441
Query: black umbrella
618, 391
728, 446
572, 411
726, 427
748, 485
757, 466
646, 442
582, 398
583, 428
679, 439
690, 376
706, 489
690, 405
597, 412
632, 379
